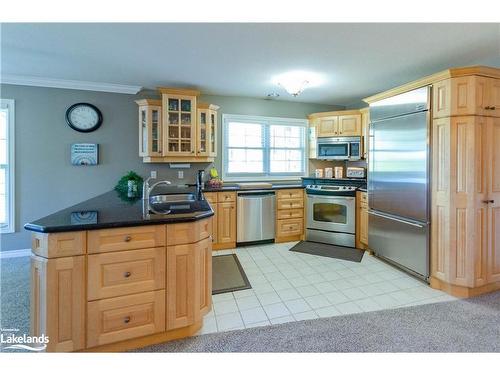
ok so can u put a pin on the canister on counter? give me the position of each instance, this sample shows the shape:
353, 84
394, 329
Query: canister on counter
339, 172
318, 173
328, 172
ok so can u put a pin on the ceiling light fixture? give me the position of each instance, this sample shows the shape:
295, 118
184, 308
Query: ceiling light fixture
296, 81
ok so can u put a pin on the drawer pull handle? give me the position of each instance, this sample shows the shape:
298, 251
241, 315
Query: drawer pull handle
127, 274
126, 320
128, 238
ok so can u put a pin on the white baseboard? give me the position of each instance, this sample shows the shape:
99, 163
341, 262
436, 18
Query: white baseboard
15, 253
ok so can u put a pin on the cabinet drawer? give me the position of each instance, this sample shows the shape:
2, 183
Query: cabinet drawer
56, 245
290, 214
226, 197
106, 240
289, 227
211, 197
123, 318
190, 232
125, 272
289, 204
290, 194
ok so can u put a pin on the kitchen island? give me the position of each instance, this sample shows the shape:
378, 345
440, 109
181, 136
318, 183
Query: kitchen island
108, 275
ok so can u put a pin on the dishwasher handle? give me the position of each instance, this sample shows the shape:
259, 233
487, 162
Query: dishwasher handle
257, 194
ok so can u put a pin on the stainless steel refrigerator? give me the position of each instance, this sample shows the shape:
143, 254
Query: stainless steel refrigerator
398, 180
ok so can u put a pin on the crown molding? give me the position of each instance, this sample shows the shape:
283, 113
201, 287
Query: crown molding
11, 79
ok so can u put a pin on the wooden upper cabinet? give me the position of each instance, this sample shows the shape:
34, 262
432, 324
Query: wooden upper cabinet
206, 138
468, 95
150, 128
349, 125
327, 126
179, 121
338, 123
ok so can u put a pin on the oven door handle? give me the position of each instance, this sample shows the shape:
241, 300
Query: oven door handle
374, 213
329, 197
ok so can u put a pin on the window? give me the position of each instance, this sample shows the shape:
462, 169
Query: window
263, 147
6, 165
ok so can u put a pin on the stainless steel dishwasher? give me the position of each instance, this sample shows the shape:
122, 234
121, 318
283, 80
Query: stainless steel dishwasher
255, 216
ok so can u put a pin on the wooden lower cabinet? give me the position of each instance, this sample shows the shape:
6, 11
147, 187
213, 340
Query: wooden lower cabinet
58, 301
122, 297
361, 220
123, 318
181, 291
289, 215
226, 223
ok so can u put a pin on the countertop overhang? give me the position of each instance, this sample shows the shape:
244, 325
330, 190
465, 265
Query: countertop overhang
109, 210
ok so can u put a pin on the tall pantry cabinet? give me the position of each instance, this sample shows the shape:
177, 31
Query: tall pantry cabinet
465, 239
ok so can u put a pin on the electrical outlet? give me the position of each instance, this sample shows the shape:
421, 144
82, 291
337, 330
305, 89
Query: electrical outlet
180, 174
153, 174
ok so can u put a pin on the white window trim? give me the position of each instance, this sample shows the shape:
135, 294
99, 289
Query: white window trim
276, 121
9, 104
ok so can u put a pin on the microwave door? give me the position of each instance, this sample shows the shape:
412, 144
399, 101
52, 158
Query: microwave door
333, 151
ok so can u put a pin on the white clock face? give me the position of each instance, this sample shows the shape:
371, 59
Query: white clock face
84, 117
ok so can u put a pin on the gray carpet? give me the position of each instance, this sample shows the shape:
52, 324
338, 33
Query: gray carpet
471, 325
14, 294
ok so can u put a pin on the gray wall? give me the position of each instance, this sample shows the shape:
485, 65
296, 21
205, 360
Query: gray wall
46, 181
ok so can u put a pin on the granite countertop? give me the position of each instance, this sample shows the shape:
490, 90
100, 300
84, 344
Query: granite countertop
109, 210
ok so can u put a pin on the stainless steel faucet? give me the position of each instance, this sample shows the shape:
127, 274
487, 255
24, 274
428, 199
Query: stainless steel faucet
146, 191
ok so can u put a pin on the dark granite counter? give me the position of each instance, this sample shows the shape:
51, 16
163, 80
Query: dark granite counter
109, 210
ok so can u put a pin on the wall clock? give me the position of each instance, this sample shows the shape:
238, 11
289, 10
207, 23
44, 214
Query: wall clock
84, 117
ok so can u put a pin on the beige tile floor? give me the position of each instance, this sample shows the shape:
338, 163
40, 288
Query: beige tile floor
289, 286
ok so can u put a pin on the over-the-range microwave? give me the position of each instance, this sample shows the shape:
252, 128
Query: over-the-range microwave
338, 148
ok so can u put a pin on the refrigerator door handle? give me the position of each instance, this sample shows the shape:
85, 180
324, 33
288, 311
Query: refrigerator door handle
371, 212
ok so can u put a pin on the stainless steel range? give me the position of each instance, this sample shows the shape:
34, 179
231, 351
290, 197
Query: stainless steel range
331, 214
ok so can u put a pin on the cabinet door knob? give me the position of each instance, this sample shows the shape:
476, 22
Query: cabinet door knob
128, 238
126, 319
127, 274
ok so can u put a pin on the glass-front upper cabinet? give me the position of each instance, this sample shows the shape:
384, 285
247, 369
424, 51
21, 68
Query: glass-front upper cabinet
150, 128
179, 117
206, 139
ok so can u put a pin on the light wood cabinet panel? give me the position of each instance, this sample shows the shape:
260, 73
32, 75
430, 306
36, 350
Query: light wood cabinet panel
182, 292
226, 197
289, 227
122, 318
56, 245
328, 126
290, 194
288, 204
492, 162
58, 302
206, 130
226, 222
189, 232
349, 125
211, 197
203, 255
150, 128
179, 121
468, 95
125, 272
129, 238
290, 214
